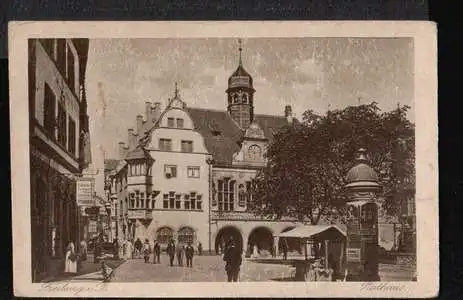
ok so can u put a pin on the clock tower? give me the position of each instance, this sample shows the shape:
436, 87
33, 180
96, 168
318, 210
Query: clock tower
240, 95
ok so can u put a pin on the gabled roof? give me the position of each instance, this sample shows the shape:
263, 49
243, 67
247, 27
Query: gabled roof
222, 134
138, 153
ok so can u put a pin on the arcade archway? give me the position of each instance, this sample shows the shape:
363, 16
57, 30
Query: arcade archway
262, 238
292, 243
224, 235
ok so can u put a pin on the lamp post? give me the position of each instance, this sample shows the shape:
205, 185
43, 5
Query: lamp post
210, 162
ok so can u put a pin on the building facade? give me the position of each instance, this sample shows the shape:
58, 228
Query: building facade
186, 172
59, 145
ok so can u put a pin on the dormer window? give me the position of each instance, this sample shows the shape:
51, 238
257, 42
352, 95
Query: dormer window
179, 123
170, 122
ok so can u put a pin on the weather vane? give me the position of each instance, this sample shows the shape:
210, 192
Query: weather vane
240, 49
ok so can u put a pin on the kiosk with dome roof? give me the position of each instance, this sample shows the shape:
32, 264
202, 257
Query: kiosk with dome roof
362, 188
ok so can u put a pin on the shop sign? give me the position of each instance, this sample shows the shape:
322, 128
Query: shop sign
84, 191
353, 254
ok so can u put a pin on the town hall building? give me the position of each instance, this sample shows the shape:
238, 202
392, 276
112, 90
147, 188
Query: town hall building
185, 172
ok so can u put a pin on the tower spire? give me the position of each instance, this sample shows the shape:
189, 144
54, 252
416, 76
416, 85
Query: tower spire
176, 90
240, 49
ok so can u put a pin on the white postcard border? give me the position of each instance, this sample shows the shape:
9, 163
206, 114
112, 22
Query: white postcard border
425, 45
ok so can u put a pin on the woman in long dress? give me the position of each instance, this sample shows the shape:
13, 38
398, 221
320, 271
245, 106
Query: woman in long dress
70, 262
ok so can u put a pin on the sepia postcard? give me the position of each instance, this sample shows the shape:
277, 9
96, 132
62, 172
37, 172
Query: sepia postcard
224, 159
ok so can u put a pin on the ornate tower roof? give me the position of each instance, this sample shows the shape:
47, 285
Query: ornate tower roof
240, 77
362, 175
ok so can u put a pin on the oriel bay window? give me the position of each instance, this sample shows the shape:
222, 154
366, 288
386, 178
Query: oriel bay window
226, 194
140, 168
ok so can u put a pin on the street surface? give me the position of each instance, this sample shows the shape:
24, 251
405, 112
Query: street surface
205, 269
211, 269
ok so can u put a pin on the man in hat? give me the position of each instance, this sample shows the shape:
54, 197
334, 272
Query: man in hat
189, 252
233, 259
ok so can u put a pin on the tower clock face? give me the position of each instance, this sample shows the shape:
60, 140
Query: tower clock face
254, 152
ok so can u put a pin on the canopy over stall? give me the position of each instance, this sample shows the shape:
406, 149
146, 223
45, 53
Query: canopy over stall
321, 232
328, 234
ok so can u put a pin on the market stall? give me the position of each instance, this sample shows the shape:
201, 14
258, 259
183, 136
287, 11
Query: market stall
324, 252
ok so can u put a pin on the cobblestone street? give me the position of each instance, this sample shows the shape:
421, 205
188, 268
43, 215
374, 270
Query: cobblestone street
211, 269
205, 269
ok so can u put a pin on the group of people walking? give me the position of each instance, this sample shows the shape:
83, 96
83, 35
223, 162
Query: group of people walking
180, 251
145, 250
232, 255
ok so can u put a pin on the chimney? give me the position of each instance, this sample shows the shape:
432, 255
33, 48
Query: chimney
148, 111
121, 150
156, 111
289, 114
140, 125
131, 138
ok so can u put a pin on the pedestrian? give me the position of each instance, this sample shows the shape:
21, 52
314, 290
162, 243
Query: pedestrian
189, 251
180, 252
233, 259
70, 261
157, 252
128, 250
284, 248
146, 251
83, 250
171, 252
200, 249
116, 249
138, 247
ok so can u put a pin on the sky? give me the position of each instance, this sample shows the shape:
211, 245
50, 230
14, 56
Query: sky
306, 73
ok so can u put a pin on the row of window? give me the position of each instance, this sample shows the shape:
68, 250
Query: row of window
137, 200
170, 171
192, 201
184, 236
175, 122
60, 52
65, 133
226, 194
166, 145
171, 200
139, 169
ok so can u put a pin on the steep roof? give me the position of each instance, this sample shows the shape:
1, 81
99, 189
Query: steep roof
110, 164
137, 153
222, 134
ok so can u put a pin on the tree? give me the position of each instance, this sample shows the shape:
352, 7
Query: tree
307, 162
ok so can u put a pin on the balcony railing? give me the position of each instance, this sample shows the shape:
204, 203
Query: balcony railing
243, 216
